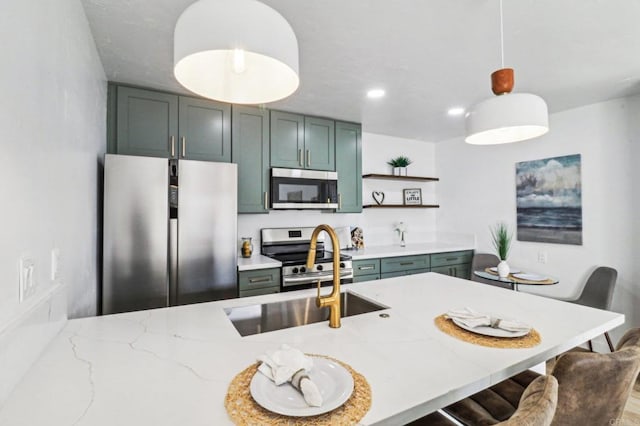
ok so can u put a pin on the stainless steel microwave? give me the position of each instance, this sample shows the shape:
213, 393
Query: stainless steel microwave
303, 189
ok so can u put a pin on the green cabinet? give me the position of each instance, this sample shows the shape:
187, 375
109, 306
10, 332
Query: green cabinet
366, 270
455, 264
146, 122
158, 124
349, 167
259, 281
405, 263
205, 130
301, 142
250, 151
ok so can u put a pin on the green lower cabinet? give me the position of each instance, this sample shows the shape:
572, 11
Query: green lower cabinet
250, 151
349, 167
259, 281
404, 263
459, 271
363, 278
393, 274
455, 264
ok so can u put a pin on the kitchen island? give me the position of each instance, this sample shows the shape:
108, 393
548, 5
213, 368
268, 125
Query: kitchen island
173, 365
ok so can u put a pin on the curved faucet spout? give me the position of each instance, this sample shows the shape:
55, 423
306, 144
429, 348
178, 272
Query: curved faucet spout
333, 300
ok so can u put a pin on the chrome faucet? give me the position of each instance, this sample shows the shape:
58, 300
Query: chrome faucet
332, 300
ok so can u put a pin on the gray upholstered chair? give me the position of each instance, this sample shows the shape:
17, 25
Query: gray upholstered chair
480, 262
593, 389
598, 293
536, 407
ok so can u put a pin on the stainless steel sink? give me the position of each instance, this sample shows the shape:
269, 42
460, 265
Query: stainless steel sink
256, 319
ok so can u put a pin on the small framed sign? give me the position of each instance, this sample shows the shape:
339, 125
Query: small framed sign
412, 196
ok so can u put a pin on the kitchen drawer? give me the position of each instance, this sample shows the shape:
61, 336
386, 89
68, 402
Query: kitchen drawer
404, 263
363, 278
460, 271
451, 258
366, 267
259, 291
259, 278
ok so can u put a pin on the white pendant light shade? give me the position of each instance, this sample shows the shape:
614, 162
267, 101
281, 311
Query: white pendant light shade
237, 51
511, 117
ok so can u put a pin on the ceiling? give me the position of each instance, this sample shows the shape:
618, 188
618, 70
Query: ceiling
429, 55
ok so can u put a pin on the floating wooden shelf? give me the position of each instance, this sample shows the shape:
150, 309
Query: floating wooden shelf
401, 206
392, 177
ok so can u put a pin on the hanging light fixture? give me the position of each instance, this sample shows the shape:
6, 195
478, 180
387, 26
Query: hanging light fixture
237, 51
508, 117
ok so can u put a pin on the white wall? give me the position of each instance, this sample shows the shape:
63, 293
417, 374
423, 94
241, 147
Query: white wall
378, 224
478, 189
52, 115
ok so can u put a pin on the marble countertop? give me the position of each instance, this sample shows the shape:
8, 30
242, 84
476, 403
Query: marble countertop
257, 261
408, 250
173, 366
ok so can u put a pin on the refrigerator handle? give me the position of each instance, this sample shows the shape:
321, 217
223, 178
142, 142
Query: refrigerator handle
172, 294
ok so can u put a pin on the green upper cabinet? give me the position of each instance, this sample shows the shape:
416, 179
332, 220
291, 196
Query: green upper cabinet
349, 167
287, 140
146, 122
157, 124
250, 151
319, 143
205, 130
300, 142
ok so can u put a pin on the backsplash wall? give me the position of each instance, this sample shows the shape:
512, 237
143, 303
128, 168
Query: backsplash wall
378, 224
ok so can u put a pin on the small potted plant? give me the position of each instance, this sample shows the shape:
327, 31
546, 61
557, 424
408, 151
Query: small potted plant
501, 236
399, 165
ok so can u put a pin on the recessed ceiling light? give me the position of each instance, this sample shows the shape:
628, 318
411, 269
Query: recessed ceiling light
375, 93
456, 111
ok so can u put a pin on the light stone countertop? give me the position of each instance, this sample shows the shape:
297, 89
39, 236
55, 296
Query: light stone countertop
173, 366
257, 261
408, 250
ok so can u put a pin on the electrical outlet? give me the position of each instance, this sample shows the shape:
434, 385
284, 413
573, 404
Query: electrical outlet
27, 280
542, 257
55, 264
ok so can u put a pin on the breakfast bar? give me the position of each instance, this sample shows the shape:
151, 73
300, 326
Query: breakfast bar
174, 365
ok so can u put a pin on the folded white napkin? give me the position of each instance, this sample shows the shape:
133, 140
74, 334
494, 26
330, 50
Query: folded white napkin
291, 365
471, 318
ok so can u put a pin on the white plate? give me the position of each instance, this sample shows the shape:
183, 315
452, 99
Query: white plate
334, 382
530, 277
495, 269
488, 331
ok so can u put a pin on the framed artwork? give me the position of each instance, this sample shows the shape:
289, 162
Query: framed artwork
549, 200
412, 196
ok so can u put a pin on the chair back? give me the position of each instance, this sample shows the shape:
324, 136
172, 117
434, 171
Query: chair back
537, 405
598, 290
593, 387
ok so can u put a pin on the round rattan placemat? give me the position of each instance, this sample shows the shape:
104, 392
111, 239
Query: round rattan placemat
521, 281
447, 326
243, 410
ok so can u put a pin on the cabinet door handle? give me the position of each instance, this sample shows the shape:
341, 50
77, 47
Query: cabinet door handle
366, 268
339, 201
266, 200
184, 147
300, 157
259, 280
308, 158
406, 263
173, 146
451, 258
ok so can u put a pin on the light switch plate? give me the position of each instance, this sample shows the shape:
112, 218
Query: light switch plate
55, 264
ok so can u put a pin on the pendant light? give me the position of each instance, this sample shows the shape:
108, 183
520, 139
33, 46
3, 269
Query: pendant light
236, 51
508, 117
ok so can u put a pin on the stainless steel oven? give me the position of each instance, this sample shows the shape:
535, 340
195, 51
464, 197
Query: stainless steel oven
303, 189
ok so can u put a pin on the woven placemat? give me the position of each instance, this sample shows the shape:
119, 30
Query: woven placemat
447, 326
521, 281
243, 410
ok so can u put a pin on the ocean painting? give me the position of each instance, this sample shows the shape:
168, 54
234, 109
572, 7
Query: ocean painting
549, 200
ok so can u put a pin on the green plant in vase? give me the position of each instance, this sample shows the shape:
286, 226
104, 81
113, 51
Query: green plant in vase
400, 165
501, 237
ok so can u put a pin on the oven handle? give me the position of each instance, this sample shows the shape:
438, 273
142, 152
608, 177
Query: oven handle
311, 279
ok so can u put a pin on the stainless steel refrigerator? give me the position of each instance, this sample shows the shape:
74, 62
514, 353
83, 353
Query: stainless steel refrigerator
170, 232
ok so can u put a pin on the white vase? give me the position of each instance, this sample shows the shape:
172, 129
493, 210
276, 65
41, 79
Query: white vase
503, 269
396, 171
